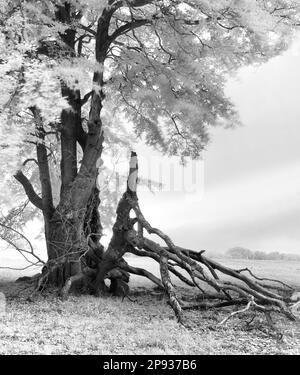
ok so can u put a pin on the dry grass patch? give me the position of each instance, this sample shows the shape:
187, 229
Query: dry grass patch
89, 325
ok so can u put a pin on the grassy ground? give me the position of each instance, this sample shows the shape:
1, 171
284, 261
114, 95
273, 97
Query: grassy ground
88, 325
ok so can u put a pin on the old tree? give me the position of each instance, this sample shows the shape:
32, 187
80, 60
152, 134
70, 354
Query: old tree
73, 74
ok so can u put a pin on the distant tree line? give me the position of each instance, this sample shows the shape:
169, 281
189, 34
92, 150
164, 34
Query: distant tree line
243, 253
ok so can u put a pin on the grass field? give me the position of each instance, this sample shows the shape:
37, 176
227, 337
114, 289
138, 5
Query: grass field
89, 325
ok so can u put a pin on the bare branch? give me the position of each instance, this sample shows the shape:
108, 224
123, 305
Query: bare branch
88, 29
128, 27
142, 272
22, 251
237, 312
264, 278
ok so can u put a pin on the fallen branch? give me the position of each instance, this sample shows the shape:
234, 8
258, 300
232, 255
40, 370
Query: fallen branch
237, 312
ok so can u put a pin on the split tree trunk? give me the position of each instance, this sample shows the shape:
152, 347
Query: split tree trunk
74, 226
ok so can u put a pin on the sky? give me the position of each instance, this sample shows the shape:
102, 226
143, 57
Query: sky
246, 191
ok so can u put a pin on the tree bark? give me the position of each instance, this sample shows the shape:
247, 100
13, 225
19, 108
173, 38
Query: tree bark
75, 226
70, 122
44, 174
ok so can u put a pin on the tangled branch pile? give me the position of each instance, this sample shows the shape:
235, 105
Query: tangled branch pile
239, 287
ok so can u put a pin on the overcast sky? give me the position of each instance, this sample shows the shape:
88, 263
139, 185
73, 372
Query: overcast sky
249, 191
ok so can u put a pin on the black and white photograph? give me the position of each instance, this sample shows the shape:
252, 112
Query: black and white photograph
149, 181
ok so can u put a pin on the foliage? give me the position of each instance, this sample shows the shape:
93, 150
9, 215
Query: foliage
242, 253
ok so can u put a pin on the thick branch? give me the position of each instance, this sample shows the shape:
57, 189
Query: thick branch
127, 27
88, 29
169, 287
29, 190
42, 158
133, 3
142, 272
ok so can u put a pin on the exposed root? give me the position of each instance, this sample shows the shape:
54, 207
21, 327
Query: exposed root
145, 273
196, 270
40, 285
205, 305
68, 284
265, 279
169, 287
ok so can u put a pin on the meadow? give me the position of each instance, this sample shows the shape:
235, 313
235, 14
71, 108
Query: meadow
108, 325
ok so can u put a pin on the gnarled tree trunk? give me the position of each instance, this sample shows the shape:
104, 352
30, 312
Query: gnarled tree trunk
73, 227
